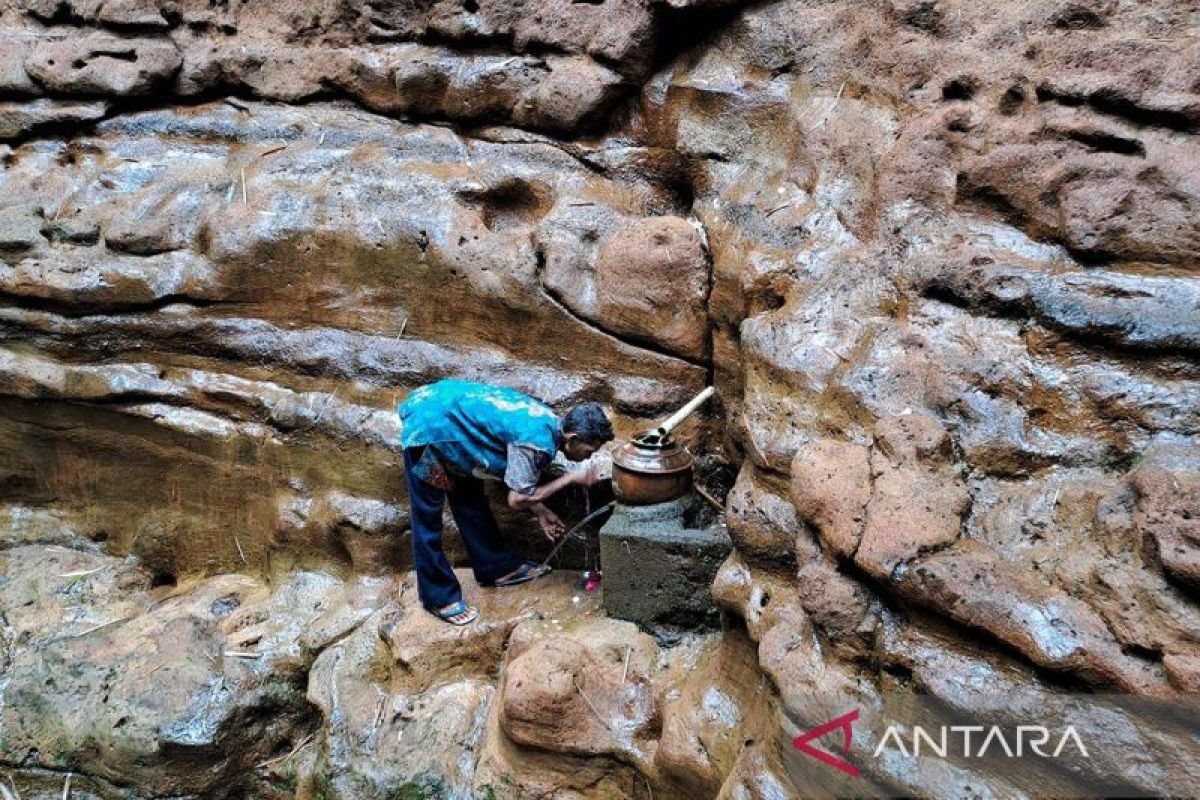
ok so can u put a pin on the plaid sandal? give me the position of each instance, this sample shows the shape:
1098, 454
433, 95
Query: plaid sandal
523, 574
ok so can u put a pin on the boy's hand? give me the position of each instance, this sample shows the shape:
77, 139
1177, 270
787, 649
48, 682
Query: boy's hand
551, 525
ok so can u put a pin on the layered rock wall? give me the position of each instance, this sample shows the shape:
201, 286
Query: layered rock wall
212, 306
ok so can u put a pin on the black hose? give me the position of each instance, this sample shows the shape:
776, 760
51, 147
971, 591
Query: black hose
578, 526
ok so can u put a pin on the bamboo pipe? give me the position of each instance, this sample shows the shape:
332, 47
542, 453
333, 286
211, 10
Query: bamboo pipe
679, 416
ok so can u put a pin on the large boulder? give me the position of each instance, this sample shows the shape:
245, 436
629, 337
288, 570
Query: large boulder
721, 709
182, 695
376, 740
763, 523
831, 485
1168, 516
586, 692
885, 505
651, 281
917, 500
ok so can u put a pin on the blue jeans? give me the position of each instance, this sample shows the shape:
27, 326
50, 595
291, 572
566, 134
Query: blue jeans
437, 586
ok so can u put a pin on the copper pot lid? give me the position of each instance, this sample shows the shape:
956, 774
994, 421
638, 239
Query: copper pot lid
649, 454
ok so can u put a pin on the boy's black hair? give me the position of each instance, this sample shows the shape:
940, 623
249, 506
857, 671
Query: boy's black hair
589, 423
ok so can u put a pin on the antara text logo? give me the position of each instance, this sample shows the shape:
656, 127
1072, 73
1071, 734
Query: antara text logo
967, 741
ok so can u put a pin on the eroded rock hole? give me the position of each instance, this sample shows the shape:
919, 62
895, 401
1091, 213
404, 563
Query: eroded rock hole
987, 198
765, 300
1012, 100
924, 15
1046, 94
1078, 16
162, 578
1109, 143
959, 89
699, 516
129, 56
1144, 653
511, 204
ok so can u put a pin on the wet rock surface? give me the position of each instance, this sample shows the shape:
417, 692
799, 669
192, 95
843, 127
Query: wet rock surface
938, 258
172, 692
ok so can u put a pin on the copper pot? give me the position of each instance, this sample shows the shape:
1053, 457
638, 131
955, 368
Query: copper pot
652, 468
647, 471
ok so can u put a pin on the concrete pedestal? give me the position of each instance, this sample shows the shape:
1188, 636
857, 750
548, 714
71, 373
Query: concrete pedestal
659, 563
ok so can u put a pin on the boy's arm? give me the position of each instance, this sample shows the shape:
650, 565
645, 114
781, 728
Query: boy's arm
519, 500
525, 466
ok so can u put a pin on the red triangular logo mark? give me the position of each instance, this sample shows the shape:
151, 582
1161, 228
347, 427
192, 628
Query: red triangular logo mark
844, 722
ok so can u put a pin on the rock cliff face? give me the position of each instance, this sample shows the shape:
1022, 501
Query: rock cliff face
938, 257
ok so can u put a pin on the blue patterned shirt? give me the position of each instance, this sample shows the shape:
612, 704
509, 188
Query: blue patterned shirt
480, 430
